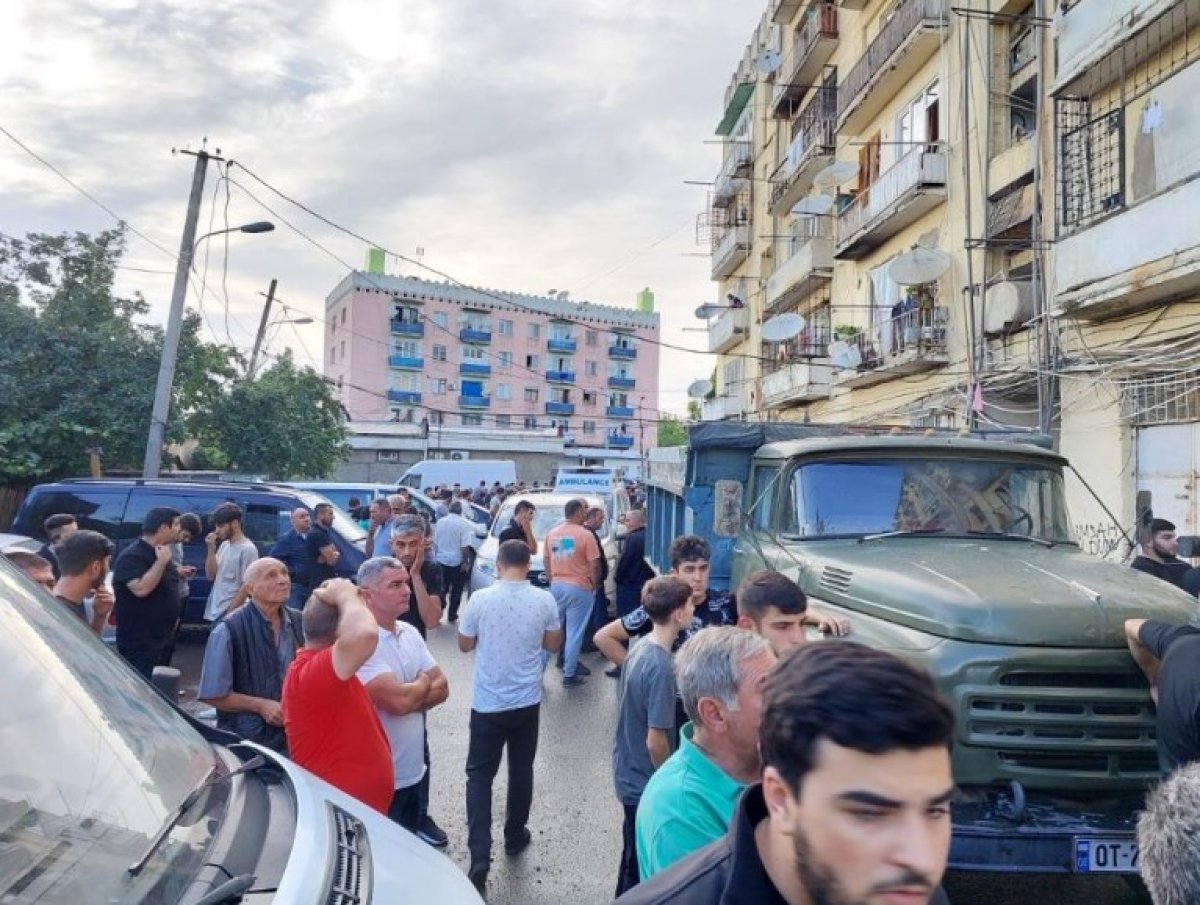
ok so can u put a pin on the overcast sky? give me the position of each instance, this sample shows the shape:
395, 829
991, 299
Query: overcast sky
523, 144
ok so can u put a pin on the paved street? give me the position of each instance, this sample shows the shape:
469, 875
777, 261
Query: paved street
576, 822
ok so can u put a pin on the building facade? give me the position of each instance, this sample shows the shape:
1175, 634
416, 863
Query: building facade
407, 350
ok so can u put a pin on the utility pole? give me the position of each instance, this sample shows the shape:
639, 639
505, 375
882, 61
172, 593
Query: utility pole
166, 369
262, 329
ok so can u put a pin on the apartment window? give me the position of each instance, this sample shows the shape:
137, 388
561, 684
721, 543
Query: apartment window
561, 395
531, 394
439, 387
342, 350
472, 420
406, 383
505, 328
591, 368
404, 315
343, 317
917, 122
473, 354
503, 421
591, 338
406, 348
532, 362
535, 331
589, 397
333, 355
503, 391
531, 423
437, 418
505, 359
589, 427
439, 353
440, 318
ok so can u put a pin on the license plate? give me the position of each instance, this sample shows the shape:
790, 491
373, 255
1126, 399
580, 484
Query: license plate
1118, 856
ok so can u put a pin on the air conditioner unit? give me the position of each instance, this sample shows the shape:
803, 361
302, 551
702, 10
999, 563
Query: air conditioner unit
458, 455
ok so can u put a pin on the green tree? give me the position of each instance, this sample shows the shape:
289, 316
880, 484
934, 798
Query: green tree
671, 432
287, 423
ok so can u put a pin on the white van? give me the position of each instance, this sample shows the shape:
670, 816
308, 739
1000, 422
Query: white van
465, 473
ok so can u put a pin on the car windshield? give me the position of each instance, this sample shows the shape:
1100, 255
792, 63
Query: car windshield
947, 496
342, 523
544, 518
93, 762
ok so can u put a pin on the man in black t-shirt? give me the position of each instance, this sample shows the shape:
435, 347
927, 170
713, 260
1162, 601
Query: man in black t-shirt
1158, 554
319, 549
1169, 655
146, 587
520, 527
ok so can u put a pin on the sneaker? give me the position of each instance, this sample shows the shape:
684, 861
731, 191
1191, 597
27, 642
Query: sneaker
581, 670
573, 681
432, 834
478, 875
518, 844
614, 673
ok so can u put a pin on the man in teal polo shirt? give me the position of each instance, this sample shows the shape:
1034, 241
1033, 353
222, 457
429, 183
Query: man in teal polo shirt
690, 799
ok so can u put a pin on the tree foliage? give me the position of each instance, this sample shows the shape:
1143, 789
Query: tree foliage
78, 367
671, 432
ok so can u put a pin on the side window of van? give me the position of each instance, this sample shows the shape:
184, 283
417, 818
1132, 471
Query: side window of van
142, 500
94, 508
265, 522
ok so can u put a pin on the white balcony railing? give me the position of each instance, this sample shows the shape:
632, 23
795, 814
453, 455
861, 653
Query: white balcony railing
736, 167
921, 165
730, 249
914, 335
720, 408
797, 382
811, 255
728, 329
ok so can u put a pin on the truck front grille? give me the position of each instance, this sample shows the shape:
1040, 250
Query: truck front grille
350, 875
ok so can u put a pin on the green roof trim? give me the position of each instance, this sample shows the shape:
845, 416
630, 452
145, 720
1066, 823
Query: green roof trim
741, 97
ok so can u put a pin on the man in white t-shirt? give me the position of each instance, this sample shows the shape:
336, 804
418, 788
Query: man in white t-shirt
402, 680
452, 536
508, 625
226, 567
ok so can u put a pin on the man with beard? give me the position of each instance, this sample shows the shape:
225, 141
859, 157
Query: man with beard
854, 803
83, 560
1158, 553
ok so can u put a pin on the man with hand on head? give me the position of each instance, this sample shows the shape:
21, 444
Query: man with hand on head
83, 560
230, 554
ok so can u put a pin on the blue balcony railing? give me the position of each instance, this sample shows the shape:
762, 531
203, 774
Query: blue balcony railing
619, 411
404, 397
407, 362
560, 408
622, 383
561, 344
560, 376
473, 335
624, 353
620, 441
474, 369
407, 328
474, 402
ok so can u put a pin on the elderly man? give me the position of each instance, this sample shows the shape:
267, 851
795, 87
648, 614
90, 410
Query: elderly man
291, 550
248, 654
332, 729
690, 799
83, 560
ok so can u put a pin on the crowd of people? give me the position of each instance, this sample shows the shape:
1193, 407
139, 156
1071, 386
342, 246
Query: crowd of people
742, 758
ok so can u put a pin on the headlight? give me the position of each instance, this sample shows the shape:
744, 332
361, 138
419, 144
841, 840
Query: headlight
487, 567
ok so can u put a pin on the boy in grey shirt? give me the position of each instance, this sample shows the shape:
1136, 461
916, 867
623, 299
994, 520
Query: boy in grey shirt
645, 735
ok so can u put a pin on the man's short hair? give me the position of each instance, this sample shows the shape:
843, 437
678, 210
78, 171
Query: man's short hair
574, 507
190, 522
80, 550
854, 696
408, 525
1169, 839
354, 502
456, 507
226, 514
762, 590
370, 573
27, 562
319, 621
1158, 525
379, 503
322, 507
709, 665
514, 554
158, 517
522, 506
56, 521
593, 511
689, 548
662, 596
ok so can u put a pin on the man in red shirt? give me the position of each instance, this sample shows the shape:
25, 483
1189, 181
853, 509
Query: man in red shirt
332, 728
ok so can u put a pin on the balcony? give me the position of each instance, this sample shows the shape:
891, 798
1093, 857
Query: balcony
619, 441
407, 328
729, 330
814, 45
734, 171
810, 265
623, 353
622, 383
811, 148
474, 402
721, 408
909, 344
404, 397
560, 376
783, 11
564, 345
560, 408
907, 191
475, 335
731, 246
474, 369
906, 43
406, 362
620, 411
799, 381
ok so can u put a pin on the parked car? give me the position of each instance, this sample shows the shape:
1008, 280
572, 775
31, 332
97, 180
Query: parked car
465, 472
168, 810
19, 542
116, 508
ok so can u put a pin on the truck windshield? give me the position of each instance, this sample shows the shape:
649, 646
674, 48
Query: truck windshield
92, 764
948, 496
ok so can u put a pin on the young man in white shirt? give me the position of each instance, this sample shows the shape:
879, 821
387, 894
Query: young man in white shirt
226, 567
452, 536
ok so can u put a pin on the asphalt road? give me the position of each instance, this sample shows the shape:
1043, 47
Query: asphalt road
576, 822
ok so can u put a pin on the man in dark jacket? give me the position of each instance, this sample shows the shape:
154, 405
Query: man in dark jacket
594, 520
854, 803
292, 550
632, 569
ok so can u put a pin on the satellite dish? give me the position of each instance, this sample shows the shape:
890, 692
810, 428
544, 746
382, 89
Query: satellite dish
769, 62
921, 265
708, 311
783, 327
837, 173
813, 206
843, 355
698, 389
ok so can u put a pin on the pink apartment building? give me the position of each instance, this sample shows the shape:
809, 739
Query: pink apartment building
403, 349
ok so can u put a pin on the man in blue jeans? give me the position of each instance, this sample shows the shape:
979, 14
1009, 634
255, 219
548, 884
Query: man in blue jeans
572, 562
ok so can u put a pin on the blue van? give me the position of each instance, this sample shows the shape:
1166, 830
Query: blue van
116, 508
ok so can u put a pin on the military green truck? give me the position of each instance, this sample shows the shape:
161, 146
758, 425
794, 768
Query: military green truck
956, 553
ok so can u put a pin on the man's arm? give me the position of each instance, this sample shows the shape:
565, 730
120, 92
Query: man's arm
439, 688
369, 548
827, 623
612, 640
552, 640
392, 696
547, 561
216, 682
328, 555
144, 586
658, 744
466, 643
357, 633
210, 556
270, 711
428, 605
1142, 655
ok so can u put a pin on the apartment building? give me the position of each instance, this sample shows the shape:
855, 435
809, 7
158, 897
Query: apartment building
406, 349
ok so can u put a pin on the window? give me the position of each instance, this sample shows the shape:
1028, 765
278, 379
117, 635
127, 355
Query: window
592, 338
441, 319
763, 496
531, 423
531, 394
917, 121
333, 355
506, 328
94, 508
472, 354
406, 383
503, 391
472, 420
343, 317
532, 362
439, 387
437, 418
535, 331
342, 350
439, 353
505, 359
589, 397
561, 396
589, 427
406, 348
591, 368
503, 421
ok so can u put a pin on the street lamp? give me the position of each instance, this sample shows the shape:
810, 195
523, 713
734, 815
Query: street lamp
258, 226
